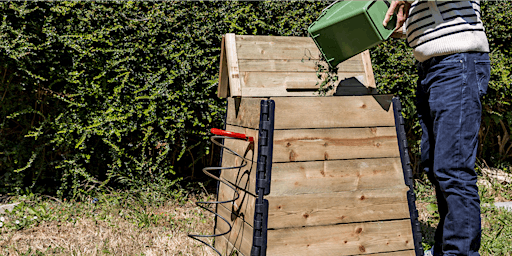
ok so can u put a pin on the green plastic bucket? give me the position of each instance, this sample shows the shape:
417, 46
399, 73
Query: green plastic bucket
347, 28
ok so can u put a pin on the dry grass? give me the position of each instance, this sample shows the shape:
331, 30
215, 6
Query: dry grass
114, 234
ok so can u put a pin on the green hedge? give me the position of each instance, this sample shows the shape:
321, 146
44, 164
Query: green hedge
122, 94
118, 93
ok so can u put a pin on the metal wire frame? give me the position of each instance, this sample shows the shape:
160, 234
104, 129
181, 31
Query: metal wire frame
204, 205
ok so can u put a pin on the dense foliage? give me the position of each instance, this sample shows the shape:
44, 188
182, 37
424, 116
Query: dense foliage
123, 93
106, 93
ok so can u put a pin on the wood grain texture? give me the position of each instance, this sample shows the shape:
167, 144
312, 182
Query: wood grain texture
276, 48
248, 112
397, 253
295, 178
316, 112
334, 144
284, 66
355, 65
328, 144
343, 239
232, 64
367, 63
223, 87
261, 84
334, 208
323, 209
243, 207
241, 233
312, 176
243, 178
226, 248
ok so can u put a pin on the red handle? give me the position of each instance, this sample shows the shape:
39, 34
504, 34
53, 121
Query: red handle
231, 134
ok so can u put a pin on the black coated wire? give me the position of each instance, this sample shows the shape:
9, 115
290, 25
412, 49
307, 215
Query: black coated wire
204, 205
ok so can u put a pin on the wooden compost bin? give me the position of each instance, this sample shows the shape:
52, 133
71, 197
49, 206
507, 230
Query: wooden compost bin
337, 184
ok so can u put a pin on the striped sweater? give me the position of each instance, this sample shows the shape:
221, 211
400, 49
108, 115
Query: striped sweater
436, 28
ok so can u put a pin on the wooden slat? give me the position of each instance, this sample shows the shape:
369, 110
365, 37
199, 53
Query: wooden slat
244, 206
355, 64
226, 248
335, 176
397, 253
222, 89
241, 234
333, 208
316, 112
276, 48
329, 144
232, 64
322, 176
344, 239
248, 113
262, 84
326, 208
244, 179
333, 144
367, 63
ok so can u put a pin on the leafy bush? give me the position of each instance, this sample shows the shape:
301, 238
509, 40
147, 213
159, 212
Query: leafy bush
123, 94
118, 93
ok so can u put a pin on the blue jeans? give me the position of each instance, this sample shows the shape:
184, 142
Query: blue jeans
449, 93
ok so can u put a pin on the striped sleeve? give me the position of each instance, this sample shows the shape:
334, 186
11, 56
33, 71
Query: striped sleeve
439, 24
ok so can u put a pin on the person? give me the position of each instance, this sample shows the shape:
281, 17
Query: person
449, 42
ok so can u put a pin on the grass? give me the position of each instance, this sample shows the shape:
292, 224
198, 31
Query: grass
110, 224
148, 223
496, 222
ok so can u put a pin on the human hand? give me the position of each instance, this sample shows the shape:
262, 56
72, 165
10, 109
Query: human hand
401, 8
398, 33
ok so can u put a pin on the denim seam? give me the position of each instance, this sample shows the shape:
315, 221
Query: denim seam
466, 100
464, 96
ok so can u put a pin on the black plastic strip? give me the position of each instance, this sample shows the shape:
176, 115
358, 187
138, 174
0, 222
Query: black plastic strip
259, 239
265, 146
263, 177
406, 167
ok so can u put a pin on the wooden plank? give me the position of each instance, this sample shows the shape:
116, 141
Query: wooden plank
244, 178
342, 207
367, 63
232, 64
241, 233
316, 112
248, 112
331, 112
276, 48
226, 248
333, 144
397, 253
244, 206
328, 144
344, 239
297, 178
325, 208
262, 84
354, 65
223, 87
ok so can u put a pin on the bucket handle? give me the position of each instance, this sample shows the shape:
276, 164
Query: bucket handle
329, 6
